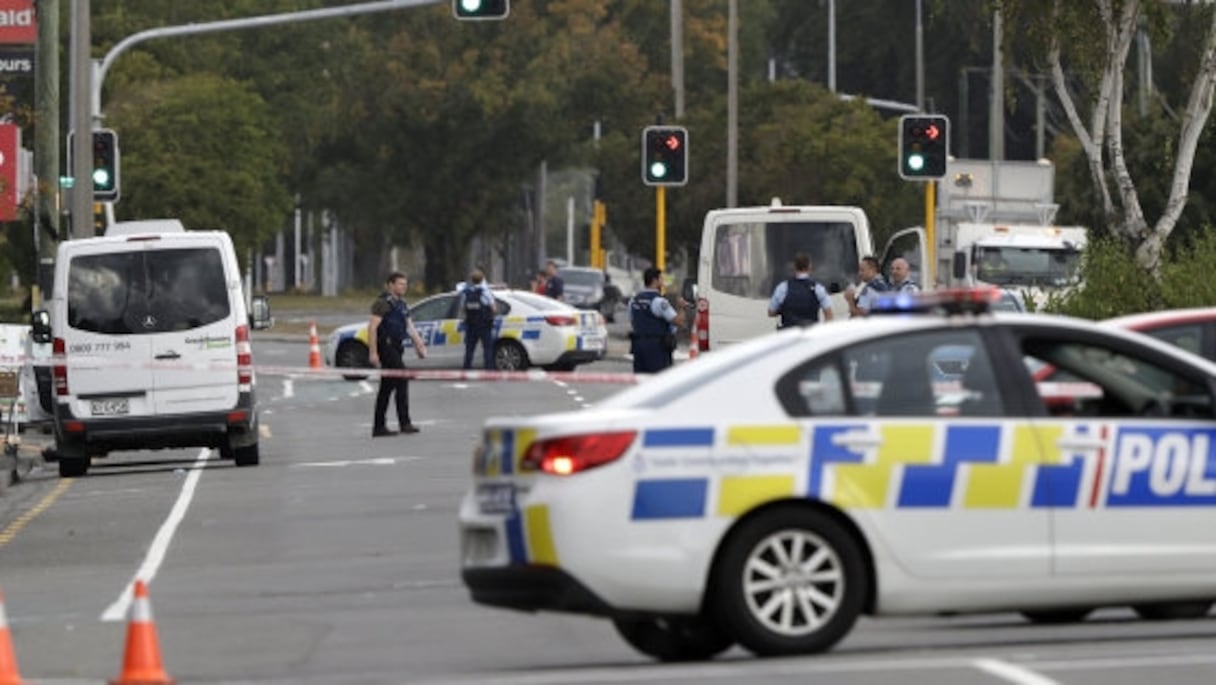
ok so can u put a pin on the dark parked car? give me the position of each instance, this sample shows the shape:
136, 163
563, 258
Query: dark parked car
589, 288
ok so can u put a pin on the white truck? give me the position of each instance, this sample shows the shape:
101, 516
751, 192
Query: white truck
994, 226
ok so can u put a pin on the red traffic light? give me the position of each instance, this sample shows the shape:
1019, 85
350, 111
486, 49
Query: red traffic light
932, 132
672, 143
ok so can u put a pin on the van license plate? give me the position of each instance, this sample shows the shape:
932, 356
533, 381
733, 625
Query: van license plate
115, 407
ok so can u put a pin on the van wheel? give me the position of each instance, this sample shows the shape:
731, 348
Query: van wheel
72, 467
510, 356
789, 581
693, 638
1173, 611
246, 456
1056, 617
352, 354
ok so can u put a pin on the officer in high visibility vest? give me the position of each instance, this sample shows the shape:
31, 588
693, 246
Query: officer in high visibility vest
654, 323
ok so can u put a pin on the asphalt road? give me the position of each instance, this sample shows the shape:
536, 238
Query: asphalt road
335, 561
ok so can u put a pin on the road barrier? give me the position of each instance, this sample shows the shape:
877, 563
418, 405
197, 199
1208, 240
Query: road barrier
141, 663
8, 660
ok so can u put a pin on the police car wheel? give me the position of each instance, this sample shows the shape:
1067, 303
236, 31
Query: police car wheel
789, 581
1173, 611
674, 639
73, 467
1057, 617
352, 354
510, 356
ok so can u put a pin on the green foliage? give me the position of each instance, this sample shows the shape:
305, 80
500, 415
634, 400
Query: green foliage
1186, 276
1112, 284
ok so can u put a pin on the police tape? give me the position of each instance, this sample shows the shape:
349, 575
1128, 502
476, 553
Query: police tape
17, 364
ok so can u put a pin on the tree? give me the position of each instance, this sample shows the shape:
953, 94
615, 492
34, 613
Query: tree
1085, 45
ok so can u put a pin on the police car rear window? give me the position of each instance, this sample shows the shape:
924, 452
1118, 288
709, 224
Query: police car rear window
147, 291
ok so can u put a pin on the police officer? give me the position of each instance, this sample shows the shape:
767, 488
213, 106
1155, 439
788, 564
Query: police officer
479, 309
872, 284
799, 300
555, 287
900, 277
386, 331
654, 323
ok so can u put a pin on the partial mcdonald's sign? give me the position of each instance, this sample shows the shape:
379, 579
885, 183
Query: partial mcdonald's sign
18, 22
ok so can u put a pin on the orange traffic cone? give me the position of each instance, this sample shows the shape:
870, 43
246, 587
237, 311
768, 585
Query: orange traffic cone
314, 347
8, 660
141, 664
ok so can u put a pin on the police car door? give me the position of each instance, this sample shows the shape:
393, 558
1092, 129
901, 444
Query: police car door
1131, 459
443, 334
924, 457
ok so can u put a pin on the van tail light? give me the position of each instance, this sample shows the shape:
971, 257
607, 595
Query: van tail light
571, 454
59, 366
560, 320
244, 358
701, 325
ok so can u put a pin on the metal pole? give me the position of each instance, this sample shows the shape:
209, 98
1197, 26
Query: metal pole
660, 226
931, 234
732, 107
82, 141
46, 151
677, 55
832, 45
570, 230
298, 269
996, 120
920, 60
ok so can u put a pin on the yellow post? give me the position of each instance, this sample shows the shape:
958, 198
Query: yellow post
595, 236
660, 213
930, 231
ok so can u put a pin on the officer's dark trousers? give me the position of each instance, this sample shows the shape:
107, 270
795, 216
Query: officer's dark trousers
390, 358
484, 335
650, 355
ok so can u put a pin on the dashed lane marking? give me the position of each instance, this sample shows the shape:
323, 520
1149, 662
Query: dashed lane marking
10, 531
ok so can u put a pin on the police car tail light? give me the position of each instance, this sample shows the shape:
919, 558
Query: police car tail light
244, 356
560, 320
701, 324
59, 369
573, 453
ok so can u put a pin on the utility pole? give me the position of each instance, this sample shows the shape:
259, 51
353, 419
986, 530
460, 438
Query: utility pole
677, 55
46, 141
81, 121
732, 106
996, 120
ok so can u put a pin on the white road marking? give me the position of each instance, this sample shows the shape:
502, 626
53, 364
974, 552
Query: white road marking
264, 431
365, 386
289, 388
160, 544
377, 461
1012, 672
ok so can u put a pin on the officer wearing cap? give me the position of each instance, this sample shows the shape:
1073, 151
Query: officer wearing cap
654, 323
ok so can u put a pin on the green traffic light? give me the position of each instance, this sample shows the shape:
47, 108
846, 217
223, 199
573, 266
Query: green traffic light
658, 170
471, 6
101, 178
916, 162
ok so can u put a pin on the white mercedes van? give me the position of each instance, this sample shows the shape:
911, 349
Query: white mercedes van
151, 345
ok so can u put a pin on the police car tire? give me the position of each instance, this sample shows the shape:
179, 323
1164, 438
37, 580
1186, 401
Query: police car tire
1055, 617
352, 354
674, 639
510, 356
73, 467
1173, 611
730, 599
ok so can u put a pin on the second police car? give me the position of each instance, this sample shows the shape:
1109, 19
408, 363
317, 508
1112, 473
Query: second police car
529, 330
771, 492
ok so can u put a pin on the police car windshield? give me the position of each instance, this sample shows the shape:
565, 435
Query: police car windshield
678, 382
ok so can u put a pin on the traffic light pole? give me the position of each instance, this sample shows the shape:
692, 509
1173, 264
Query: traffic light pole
660, 228
931, 233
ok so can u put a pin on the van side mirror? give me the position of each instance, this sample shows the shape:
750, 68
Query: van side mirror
959, 265
40, 326
688, 290
259, 313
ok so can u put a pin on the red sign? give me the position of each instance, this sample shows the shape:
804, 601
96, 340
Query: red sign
18, 22
10, 156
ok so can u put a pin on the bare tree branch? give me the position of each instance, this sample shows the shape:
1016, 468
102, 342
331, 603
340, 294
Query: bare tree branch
1134, 224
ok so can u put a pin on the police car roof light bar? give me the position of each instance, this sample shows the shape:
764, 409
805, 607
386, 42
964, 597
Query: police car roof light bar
949, 301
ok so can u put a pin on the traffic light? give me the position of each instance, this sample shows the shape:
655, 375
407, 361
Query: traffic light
475, 10
105, 165
924, 145
665, 155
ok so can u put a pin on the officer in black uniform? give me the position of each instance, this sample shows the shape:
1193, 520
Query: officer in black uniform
478, 306
799, 300
654, 323
386, 330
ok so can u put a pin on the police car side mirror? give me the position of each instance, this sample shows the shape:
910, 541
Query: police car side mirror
259, 313
40, 326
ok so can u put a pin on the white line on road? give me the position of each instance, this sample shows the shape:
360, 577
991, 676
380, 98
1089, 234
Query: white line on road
1012, 672
289, 388
377, 461
366, 387
160, 544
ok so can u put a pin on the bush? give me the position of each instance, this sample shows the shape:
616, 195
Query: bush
1113, 285
1186, 278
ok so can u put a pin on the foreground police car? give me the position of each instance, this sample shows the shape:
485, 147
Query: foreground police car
770, 492
529, 330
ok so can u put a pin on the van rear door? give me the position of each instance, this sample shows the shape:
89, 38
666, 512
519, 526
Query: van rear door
108, 355
193, 338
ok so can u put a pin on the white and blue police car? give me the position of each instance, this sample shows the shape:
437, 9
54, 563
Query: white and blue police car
769, 493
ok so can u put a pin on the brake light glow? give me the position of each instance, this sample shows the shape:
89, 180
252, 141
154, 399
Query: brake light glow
59, 366
701, 325
244, 358
571, 454
560, 320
